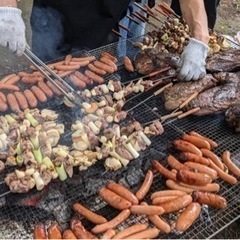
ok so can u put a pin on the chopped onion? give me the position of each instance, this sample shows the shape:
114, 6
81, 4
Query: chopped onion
102, 103
61, 172
38, 180
49, 164
31, 119
94, 128
29, 171
131, 149
121, 159
86, 105
10, 119
19, 160
104, 88
145, 138
117, 132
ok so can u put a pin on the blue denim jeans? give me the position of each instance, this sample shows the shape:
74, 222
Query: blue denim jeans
135, 29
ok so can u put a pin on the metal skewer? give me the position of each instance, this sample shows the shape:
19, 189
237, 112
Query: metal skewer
4, 194
72, 96
159, 91
139, 24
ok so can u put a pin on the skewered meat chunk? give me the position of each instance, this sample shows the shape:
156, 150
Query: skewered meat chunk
154, 129
179, 92
17, 185
123, 152
232, 117
2, 166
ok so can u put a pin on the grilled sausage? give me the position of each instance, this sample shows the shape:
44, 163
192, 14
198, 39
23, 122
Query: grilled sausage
94, 77
209, 154
76, 81
114, 199
63, 74
32, 100
226, 157
123, 192
109, 234
83, 59
31, 79
120, 218
79, 230
143, 190
158, 222
128, 64
45, 88
109, 62
39, 231
6, 78
202, 169
13, 103
176, 204
3, 105
210, 199
54, 89
83, 78
193, 178
13, 80
197, 141
167, 193
175, 186
224, 176
159, 200
212, 143
163, 171
184, 146
109, 56
188, 216
3, 97
150, 233
187, 156
54, 231
5, 86
89, 215
210, 187
68, 234
22, 101
96, 70
175, 164
68, 59
147, 210
130, 230
103, 66
39, 94
70, 67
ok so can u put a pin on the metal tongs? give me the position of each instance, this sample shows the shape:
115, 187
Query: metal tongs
72, 96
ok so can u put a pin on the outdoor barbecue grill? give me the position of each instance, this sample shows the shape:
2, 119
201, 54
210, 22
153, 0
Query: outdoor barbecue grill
19, 212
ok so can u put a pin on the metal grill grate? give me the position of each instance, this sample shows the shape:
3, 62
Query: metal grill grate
57, 199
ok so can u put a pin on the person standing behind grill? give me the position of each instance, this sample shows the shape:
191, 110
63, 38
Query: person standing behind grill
14, 22
199, 15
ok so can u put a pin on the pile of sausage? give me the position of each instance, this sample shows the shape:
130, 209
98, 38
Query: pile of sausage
39, 89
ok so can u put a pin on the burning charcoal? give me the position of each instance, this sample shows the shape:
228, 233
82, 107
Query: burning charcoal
93, 185
62, 214
134, 176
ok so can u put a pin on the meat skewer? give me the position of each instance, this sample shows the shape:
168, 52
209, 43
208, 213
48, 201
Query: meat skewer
159, 91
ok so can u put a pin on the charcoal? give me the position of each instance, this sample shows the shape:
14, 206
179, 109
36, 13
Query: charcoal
134, 176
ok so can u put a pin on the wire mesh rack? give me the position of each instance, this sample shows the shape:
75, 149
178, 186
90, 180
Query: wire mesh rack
19, 212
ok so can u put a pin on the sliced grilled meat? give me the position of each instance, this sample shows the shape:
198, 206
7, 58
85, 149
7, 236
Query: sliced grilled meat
232, 117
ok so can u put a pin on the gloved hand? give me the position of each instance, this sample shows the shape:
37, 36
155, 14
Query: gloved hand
193, 60
12, 30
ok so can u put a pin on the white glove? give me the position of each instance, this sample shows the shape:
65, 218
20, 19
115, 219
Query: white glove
193, 61
12, 30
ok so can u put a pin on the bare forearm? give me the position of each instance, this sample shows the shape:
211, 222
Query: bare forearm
8, 3
194, 13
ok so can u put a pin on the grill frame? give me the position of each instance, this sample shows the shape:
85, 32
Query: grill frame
212, 126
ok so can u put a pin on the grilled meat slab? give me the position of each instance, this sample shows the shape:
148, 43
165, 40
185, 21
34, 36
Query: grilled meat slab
179, 92
232, 117
224, 61
217, 99
150, 60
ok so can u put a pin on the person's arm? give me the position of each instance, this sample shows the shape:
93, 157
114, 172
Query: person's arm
8, 3
194, 13
193, 59
12, 27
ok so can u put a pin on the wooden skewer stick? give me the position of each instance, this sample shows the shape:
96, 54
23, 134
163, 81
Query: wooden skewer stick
188, 113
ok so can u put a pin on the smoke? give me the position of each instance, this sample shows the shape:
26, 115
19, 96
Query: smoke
48, 33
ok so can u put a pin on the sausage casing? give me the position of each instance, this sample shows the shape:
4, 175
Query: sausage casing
123, 192
114, 199
39, 231
32, 100
187, 156
188, 216
210, 199
197, 141
54, 231
184, 146
163, 171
